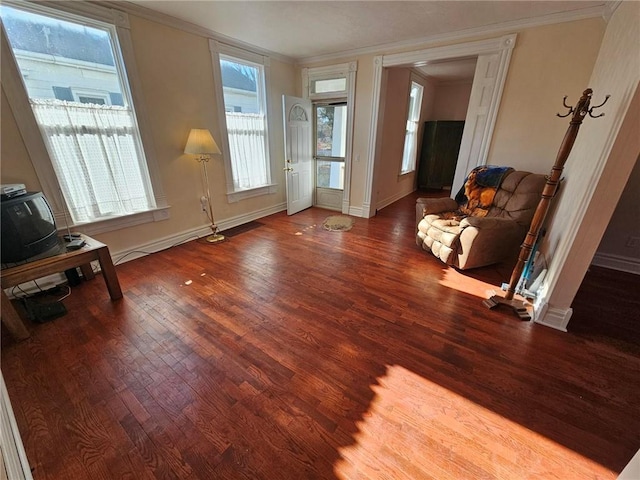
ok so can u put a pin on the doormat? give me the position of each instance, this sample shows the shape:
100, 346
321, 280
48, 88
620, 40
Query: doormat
338, 223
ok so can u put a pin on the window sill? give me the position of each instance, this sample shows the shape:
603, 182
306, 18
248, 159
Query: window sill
236, 196
125, 221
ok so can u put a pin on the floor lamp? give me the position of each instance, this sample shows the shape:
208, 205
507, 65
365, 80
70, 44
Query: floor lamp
202, 144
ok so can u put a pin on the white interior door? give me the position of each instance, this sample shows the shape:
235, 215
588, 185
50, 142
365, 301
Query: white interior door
298, 151
475, 142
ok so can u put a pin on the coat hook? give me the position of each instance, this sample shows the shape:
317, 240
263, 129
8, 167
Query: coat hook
569, 107
582, 107
606, 99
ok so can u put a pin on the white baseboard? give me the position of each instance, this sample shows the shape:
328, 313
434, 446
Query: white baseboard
367, 211
250, 217
192, 234
617, 262
394, 198
356, 212
557, 318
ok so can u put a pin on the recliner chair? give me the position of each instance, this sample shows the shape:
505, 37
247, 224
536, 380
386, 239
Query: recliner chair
472, 232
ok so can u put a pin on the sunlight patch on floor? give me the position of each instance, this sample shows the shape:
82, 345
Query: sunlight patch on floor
417, 429
452, 278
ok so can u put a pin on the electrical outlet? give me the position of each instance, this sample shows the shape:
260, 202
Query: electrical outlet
633, 242
203, 203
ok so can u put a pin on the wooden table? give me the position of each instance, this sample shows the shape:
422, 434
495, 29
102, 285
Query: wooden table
92, 250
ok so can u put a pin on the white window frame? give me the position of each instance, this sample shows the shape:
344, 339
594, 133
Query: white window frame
101, 94
411, 167
343, 70
217, 48
19, 102
314, 79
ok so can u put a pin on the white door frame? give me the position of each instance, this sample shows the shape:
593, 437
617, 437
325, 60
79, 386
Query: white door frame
502, 46
347, 70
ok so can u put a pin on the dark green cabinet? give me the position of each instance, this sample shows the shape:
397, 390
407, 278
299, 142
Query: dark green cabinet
439, 155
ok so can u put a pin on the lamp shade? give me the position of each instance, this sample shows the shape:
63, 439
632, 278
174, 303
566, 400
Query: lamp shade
200, 142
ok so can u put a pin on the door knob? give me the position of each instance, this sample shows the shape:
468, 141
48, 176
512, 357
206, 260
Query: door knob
288, 169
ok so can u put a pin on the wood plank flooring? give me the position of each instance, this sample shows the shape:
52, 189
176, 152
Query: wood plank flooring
291, 352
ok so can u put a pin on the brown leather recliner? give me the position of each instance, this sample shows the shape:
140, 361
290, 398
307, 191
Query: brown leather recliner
466, 237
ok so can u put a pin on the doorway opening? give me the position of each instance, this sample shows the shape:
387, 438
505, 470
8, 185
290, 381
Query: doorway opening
331, 90
447, 96
490, 73
330, 151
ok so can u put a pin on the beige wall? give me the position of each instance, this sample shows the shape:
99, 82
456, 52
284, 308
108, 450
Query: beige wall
15, 166
450, 101
389, 182
390, 185
601, 161
361, 127
177, 83
548, 62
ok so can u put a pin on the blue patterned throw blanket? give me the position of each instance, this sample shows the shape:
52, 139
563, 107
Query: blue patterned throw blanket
476, 195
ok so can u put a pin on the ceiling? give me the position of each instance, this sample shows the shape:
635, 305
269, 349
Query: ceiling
303, 29
451, 71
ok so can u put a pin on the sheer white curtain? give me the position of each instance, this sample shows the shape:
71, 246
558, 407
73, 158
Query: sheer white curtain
410, 147
247, 142
101, 169
411, 141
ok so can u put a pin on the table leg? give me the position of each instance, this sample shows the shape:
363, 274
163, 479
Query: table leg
12, 320
109, 273
87, 271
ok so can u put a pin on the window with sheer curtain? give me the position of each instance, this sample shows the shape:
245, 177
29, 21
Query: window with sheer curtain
245, 113
80, 99
247, 145
95, 157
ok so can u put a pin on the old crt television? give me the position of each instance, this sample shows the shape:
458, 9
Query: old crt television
28, 227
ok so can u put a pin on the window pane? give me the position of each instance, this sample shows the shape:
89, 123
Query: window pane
329, 86
94, 100
76, 56
330, 174
331, 131
413, 117
85, 116
242, 88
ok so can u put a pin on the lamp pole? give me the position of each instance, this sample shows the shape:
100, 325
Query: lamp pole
215, 237
201, 143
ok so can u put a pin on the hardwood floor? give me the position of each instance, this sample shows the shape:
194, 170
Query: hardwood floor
607, 308
291, 352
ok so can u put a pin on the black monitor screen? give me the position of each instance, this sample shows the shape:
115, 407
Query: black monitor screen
28, 227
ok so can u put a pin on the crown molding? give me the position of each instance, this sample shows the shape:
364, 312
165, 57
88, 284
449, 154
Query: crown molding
610, 8
466, 34
169, 21
604, 11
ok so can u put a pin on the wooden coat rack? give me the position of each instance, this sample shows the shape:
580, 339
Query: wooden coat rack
579, 112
